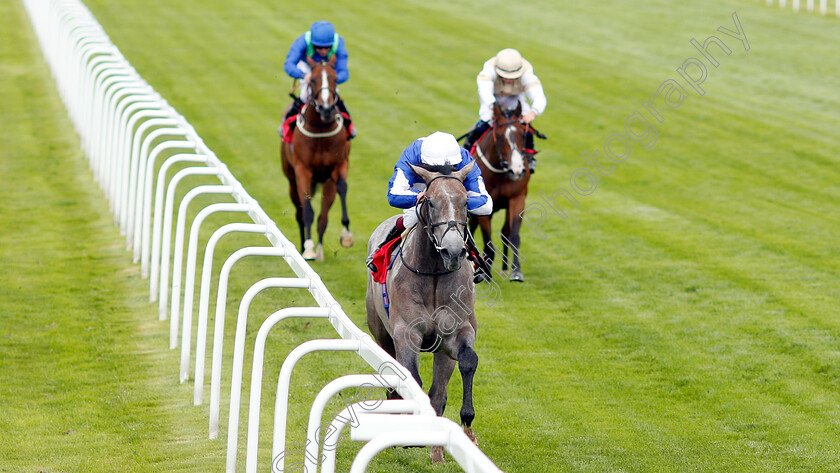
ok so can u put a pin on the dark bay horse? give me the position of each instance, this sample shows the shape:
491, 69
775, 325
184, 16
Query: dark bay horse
500, 154
318, 154
431, 293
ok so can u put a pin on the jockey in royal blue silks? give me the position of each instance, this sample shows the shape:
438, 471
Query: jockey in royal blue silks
405, 188
320, 43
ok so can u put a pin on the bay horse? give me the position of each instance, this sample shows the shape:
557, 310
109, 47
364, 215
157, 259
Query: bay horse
431, 293
500, 154
318, 154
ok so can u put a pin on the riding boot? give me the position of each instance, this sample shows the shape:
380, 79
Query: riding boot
529, 152
481, 270
478, 274
342, 107
351, 130
395, 231
294, 109
473, 135
532, 162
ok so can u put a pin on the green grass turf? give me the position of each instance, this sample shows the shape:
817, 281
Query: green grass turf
682, 318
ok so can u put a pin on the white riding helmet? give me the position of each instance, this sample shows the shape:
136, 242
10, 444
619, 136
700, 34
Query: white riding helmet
440, 148
509, 64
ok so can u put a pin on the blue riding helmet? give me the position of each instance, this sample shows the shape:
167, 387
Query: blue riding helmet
323, 34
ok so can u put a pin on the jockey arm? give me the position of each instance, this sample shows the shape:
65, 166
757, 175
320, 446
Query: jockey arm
535, 94
296, 53
404, 185
486, 99
479, 201
342, 73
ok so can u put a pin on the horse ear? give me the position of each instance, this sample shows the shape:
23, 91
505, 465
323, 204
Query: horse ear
333, 59
518, 109
497, 112
424, 174
464, 171
311, 63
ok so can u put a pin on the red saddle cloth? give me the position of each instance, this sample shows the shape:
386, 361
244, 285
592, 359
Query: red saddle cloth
287, 127
382, 260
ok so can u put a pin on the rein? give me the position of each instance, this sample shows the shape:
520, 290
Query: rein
483, 157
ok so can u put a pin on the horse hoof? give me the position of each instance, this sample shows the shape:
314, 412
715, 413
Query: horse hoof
471, 435
517, 276
319, 253
437, 455
346, 238
309, 250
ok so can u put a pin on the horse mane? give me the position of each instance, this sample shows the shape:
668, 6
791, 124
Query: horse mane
445, 169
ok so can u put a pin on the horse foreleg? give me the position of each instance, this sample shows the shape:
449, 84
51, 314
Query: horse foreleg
327, 199
303, 178
289, 171
514, 224
505, 233
293, 193
346, 234
467, 365
442, 372
407, 343
489, 250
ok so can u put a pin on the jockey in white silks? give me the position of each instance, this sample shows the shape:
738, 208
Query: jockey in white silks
508, 80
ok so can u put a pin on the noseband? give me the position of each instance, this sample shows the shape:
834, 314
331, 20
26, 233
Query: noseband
423, 216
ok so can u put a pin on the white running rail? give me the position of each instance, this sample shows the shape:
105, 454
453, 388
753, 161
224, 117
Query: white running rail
810, 6
125, 126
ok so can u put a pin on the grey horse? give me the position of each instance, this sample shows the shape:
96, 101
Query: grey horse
431, 293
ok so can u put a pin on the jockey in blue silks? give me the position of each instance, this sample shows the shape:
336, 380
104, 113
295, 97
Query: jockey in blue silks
405, 188
320, 43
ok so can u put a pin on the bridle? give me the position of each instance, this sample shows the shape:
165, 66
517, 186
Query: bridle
424, 218
503, 162
321, 109
325, 86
